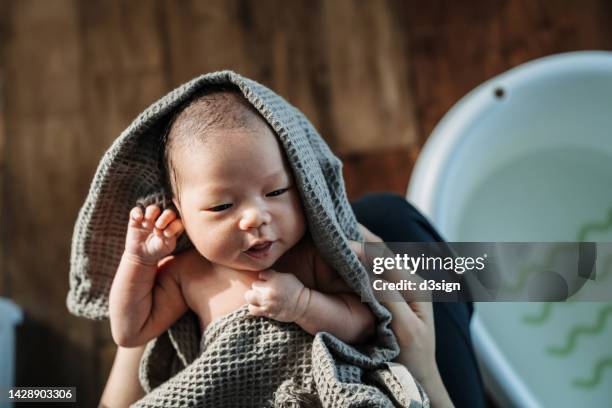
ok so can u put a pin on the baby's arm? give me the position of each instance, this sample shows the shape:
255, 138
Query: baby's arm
336, 308
145, 297
281, 296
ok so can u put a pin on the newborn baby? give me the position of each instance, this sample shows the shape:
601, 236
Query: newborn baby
241, 209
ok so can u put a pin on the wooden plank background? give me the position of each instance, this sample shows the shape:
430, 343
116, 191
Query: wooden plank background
374, 76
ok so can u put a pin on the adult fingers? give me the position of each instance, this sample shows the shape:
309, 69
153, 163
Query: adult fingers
424, 311
404, 321
400, 309
357, 247
368, 235
354, 245
408, 310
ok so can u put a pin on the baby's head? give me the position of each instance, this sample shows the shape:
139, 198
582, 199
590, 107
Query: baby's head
231, 182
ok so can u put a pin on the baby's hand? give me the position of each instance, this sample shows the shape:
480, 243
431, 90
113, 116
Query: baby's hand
279, 296
151, 237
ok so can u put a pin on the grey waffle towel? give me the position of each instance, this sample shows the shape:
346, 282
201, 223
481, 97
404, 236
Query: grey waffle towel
239, 360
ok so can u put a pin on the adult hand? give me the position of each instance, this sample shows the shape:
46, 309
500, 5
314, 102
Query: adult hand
413, 325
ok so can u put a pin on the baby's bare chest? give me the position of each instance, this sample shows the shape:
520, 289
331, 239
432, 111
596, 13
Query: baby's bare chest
211, 295
215, 292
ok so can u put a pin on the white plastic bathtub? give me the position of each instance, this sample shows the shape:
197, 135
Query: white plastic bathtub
527, 156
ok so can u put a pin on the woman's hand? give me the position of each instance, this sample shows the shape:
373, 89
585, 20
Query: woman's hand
414, 328
413, 325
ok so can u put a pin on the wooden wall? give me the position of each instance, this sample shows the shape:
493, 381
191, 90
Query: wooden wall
374, 76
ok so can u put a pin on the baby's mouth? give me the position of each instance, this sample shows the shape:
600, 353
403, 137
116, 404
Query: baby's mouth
260, 250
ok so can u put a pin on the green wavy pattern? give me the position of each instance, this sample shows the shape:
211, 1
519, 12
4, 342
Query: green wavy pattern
584, 231
606, 362
582, 330
546, 310
581, 236
576, 332
597, 376
541, 317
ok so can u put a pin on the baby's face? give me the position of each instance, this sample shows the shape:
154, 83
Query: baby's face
237, 191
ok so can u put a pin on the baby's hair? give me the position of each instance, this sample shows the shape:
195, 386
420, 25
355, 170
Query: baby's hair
216, 107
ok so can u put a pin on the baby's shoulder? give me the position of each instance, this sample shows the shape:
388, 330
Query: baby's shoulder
187, 265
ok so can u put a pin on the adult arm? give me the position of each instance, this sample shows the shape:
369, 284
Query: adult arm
123, 388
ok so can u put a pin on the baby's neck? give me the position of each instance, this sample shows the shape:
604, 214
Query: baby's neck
227, 269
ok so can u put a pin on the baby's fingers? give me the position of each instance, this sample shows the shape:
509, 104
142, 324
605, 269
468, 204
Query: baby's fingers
174, 229
135, 217
166, 218
151, 213
258, 311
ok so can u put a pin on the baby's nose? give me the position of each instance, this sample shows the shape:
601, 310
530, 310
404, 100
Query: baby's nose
254, 218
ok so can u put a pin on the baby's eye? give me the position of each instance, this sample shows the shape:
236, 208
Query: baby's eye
221, 207
277, 192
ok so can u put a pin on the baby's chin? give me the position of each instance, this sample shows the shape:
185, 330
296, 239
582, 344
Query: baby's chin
261, 265
250, 265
